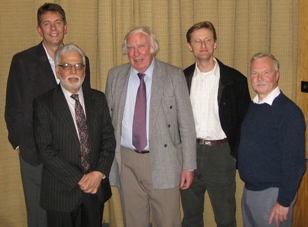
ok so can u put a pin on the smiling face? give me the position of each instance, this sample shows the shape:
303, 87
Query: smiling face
71, 78
139, 51
263, 76
202, 44
52, 29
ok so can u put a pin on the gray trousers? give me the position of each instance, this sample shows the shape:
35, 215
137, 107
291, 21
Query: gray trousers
258, 205
31, 181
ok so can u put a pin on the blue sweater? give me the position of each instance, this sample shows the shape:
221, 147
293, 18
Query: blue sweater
272, 148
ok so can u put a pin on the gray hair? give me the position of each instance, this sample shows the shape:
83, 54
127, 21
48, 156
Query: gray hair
144, 30
262, 55
69, 48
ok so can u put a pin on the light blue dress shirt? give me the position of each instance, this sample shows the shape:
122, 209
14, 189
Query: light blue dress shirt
129, 109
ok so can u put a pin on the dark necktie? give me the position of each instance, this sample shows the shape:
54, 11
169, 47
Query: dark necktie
139, 122
83, 133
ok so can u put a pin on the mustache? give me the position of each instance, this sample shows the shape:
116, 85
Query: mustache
260, 83
73, 77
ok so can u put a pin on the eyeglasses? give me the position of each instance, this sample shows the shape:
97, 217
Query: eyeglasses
67, 66
205, 41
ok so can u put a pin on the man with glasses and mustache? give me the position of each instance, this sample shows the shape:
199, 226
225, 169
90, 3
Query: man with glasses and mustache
75, 141
32, 73
272, 149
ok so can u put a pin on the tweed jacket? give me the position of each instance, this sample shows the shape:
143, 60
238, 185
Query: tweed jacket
172, 137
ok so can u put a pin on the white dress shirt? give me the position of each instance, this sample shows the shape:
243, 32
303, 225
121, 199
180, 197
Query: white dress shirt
203, 96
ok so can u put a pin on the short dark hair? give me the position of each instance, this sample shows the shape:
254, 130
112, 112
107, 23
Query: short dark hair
197, 26
50, 7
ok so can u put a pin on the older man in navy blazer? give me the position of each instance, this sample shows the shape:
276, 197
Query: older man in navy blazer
151, 177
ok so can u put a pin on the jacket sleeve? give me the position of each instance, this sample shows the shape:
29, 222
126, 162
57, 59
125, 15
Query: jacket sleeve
15, 95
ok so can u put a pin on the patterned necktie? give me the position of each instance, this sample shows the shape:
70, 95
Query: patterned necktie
83, 133
139, 122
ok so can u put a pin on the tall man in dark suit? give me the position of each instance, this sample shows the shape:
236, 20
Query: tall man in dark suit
149, 176
220, 98
75, 142
31, 74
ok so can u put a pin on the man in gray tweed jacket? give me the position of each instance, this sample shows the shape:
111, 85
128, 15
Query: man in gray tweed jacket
149, 179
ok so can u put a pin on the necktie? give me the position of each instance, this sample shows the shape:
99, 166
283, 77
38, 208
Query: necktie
139, 121
83, 133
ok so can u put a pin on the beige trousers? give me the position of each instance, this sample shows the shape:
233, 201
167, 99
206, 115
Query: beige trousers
139, 199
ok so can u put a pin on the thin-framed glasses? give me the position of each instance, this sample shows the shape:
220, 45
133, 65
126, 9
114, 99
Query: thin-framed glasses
77, 66
199, 42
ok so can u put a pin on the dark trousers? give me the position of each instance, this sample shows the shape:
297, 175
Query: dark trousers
31, 182
88, 214
215, 174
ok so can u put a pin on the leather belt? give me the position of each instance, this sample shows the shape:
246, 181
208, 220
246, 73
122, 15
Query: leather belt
211, 142
142, 152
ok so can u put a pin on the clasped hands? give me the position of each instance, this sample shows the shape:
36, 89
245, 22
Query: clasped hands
90, 182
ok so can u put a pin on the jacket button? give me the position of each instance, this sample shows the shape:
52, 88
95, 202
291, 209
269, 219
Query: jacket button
170, 107
165, 145
168, 125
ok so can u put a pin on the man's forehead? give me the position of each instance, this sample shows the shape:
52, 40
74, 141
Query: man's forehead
51, 16
71, 55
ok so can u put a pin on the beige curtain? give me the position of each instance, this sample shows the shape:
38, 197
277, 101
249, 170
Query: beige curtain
98, 27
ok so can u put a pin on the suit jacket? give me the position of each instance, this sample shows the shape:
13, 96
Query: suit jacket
233, 101
30, 76
59, 148
172, 138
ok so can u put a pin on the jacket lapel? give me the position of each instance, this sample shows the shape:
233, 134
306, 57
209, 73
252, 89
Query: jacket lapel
43, 67
158, 83
122, 84
65, 115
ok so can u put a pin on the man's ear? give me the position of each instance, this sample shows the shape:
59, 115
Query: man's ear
277, 76
39, 30
189, 47
57, 69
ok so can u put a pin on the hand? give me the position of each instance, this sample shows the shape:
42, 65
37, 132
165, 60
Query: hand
90, 182
187, 177
279, 214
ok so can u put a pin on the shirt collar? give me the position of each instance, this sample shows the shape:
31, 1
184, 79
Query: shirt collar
215, 71
48, 56
269, 98
148, 72
68, 94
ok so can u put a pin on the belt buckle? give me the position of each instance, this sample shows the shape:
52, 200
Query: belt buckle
208, 143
